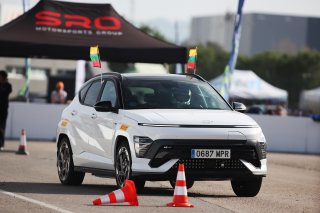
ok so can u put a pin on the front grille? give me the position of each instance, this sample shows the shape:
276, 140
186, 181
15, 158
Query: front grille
244, 152
210, 164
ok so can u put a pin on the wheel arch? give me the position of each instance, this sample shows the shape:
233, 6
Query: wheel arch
120, 139
62, 135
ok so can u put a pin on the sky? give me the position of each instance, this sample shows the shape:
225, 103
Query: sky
184, 10
161, 15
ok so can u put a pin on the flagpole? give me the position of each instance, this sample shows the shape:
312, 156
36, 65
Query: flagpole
176, 35
25, 90
195, 69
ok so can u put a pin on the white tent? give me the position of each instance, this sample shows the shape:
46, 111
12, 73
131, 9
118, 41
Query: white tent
148, 68
310, 100
245, 84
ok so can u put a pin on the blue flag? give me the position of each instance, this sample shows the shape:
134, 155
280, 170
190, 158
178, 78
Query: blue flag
229, 69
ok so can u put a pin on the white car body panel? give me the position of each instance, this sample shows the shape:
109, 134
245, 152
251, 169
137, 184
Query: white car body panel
190, 116
106, 130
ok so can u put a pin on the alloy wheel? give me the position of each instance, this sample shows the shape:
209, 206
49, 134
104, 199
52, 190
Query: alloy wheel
123, 166
63, 161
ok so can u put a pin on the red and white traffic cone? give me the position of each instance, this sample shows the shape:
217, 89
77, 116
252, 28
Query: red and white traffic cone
180, 196
125, 194
22, 150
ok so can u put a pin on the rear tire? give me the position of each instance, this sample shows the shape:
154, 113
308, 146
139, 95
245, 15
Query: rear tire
246, 188
65, 165
189, 183
123, 163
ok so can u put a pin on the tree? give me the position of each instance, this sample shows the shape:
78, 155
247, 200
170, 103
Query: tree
153, 32
293, 73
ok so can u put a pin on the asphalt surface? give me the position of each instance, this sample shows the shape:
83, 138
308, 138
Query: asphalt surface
30, 184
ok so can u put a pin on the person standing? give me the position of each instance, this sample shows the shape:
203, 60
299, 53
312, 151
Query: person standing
59, 95
5, 90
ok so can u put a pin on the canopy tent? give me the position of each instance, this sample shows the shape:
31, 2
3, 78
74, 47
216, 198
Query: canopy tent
310, 100
245, 84
65, 30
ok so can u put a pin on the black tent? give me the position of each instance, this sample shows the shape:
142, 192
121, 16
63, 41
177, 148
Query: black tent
64, 30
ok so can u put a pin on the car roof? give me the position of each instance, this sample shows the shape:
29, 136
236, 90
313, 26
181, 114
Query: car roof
150, 76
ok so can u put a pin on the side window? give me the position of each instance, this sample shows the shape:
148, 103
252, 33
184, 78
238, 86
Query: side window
109, 93
83, 92
92, 94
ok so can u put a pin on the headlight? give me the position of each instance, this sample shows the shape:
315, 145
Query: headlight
141, 145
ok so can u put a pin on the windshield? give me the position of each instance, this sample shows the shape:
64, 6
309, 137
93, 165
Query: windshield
165, 93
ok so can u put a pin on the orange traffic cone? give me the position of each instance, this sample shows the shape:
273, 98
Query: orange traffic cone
180, 196
22, 150
125, 194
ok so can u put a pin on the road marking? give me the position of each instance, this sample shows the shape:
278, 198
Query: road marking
49, 206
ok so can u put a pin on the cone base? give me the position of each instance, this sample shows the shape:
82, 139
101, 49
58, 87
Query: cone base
180, 205
22, 150
22, 153
97, 202
133, 203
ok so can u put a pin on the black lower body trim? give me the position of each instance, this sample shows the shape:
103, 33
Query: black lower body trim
95, 171
198, 169
197, 175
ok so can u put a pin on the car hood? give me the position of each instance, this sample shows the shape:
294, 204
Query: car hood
189, 117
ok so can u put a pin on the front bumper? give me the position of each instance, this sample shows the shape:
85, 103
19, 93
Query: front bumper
205, 174
248, 159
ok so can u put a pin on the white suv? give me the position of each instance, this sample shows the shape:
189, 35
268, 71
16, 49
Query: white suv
139, 127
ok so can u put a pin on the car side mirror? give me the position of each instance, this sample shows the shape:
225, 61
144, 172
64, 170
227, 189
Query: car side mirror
239, 107
105, 106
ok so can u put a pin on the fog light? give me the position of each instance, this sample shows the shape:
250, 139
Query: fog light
263, 149
141, 145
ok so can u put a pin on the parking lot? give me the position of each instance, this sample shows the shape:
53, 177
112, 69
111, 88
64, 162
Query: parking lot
30, 184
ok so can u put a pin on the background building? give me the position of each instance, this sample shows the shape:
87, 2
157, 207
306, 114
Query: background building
260, 32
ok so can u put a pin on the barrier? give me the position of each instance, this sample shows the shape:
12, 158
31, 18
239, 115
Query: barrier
283, 133
39, 119
290, 134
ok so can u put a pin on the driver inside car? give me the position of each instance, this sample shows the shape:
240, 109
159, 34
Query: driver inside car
181, 97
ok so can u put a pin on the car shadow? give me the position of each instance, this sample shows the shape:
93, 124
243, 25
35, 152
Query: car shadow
56, 188
88, 189
155, 191
8, 151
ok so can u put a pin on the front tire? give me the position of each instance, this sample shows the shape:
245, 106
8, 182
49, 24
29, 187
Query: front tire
246, 188
123, 163
65, 165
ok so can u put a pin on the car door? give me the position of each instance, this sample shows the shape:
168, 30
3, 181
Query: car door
86, 115
104, 126
77, 119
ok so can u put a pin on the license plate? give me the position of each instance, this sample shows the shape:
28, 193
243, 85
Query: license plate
211, 153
